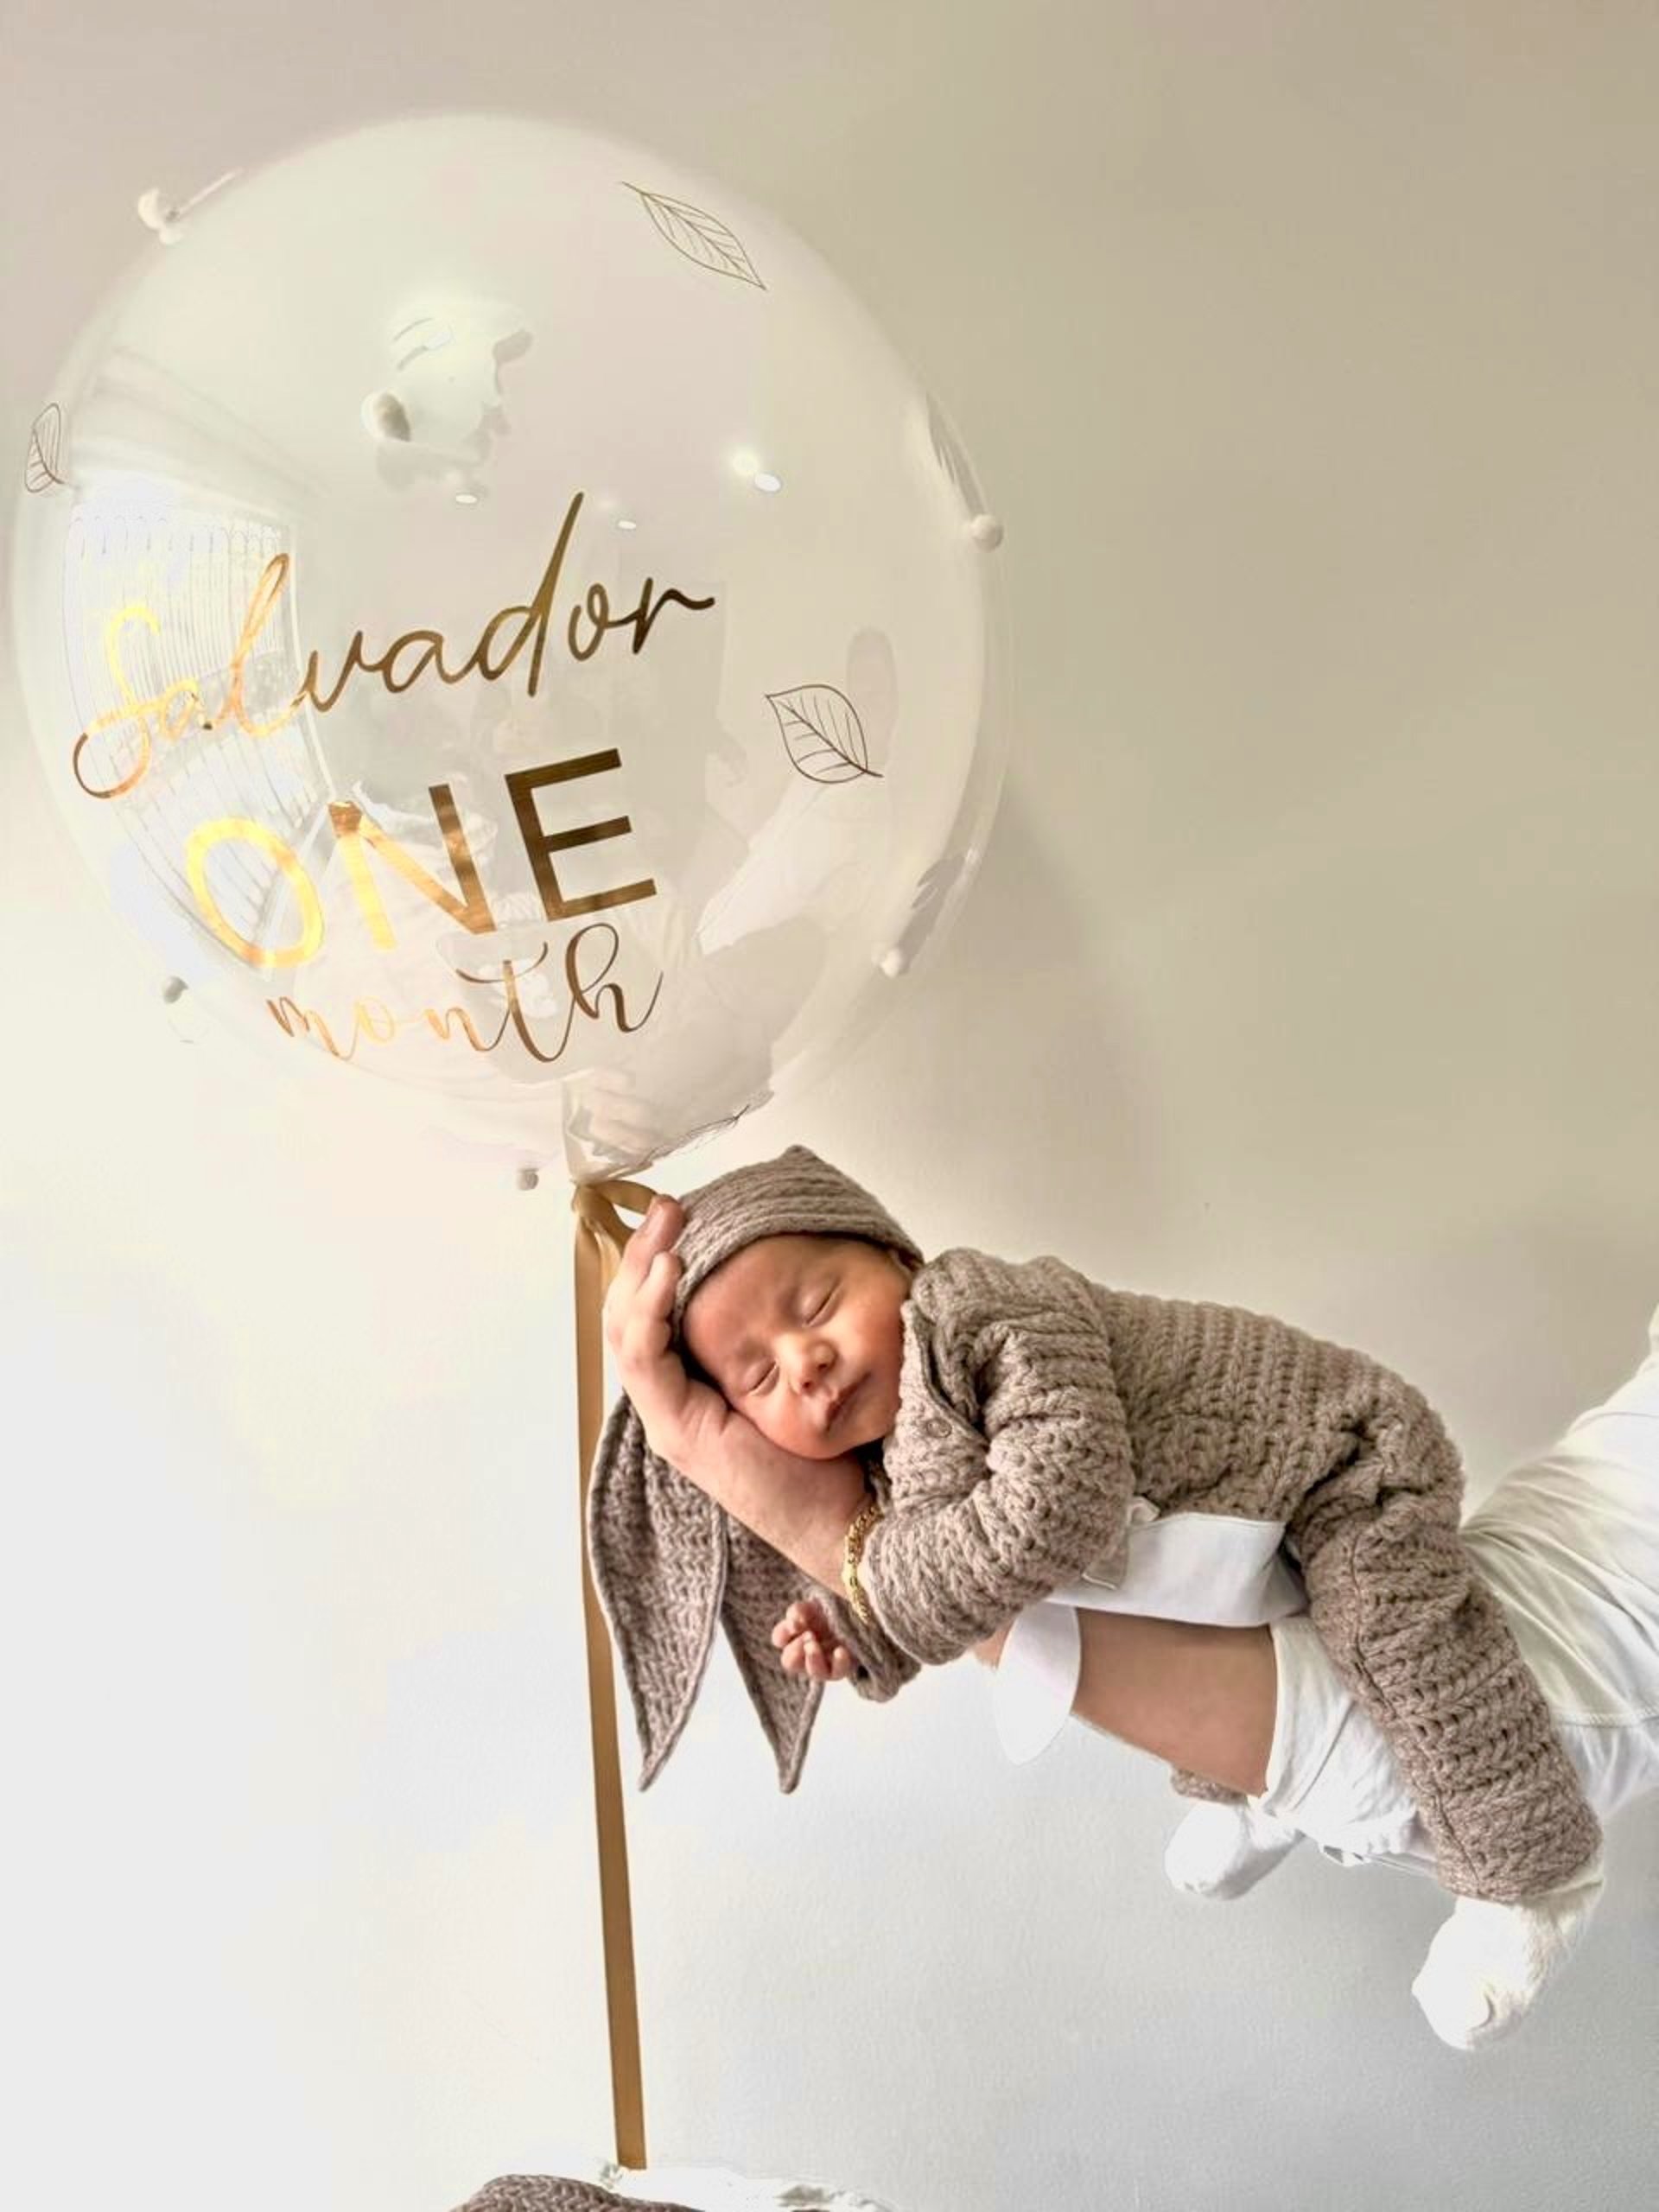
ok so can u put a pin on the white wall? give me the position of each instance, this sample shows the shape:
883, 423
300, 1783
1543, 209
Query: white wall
1309, 353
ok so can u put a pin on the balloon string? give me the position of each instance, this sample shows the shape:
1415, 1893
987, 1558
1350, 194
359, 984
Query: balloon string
594, 1205
600, 1236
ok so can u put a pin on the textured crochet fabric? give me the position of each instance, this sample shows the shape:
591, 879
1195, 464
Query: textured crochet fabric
552, 2193
1034, 1404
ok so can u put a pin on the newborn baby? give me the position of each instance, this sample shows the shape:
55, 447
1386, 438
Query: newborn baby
1010, 1415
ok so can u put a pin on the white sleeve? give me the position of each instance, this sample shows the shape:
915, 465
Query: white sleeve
1037, 1678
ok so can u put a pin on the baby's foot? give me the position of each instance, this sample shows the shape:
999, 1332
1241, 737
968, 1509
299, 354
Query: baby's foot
1221, 1851
1489, 1962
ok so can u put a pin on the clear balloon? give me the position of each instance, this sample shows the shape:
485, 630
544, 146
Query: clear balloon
498, 614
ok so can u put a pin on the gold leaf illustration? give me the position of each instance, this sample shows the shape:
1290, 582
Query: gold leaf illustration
45, 443
699, 236
821, 733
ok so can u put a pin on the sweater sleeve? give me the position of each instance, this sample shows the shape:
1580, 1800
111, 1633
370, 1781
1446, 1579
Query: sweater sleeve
882, 1667
1040, 1477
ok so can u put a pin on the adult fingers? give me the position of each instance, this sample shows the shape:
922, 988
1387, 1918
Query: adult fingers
662, 1225
653, 1238
640, 1333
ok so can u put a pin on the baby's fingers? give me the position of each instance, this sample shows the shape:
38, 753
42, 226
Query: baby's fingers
834, 1664
805, 1617
807, 1655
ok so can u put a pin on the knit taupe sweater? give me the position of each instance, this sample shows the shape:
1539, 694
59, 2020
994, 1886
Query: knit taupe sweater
1034, 1404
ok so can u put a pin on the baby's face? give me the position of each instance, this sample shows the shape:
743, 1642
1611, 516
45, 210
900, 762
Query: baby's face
803, 1336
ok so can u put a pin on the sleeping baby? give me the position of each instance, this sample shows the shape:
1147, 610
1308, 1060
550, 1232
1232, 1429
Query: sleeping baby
1017, 1423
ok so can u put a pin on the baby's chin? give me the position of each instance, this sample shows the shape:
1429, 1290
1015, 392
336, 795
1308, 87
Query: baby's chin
862, 1433
850, 1436
821, 1447
854, 1435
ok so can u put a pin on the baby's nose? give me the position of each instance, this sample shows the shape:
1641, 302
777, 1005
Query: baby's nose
813, 1365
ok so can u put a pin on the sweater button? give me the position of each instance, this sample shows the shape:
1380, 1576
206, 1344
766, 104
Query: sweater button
933, 1426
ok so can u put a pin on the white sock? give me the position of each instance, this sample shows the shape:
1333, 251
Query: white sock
1221, 1851
1489, 1962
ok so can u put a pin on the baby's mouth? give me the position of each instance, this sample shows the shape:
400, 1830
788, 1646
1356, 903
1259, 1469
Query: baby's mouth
839, 1405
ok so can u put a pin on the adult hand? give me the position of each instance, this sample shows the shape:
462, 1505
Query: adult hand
684, 1420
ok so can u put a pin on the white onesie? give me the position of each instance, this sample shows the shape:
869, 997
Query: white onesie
1569, 1542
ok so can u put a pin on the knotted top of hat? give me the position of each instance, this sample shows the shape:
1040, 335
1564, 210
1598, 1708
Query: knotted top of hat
667, 1558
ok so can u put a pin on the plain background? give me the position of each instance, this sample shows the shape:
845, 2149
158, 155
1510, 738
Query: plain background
1310, 354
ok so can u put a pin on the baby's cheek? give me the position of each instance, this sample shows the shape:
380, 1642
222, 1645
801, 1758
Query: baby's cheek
776, 1428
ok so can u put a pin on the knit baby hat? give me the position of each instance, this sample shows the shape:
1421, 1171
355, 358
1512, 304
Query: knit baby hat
665, 1557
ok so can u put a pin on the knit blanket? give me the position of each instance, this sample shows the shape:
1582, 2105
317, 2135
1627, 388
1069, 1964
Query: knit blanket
552, 2193
711, 2189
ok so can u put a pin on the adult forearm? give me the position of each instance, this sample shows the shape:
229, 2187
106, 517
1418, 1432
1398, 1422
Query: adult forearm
1199, 1696
1202, 1697
802, 1508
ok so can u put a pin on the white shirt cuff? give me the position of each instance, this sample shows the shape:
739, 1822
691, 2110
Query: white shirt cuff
1037, 1678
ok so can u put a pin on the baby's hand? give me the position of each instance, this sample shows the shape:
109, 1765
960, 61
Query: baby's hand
808, 1643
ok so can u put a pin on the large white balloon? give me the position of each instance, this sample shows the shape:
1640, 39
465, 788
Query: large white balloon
498, 614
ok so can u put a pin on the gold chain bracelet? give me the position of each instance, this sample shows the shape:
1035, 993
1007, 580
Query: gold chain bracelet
863, 1521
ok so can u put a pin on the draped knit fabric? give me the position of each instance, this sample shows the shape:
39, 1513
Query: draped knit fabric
1035, 1405
555, 2193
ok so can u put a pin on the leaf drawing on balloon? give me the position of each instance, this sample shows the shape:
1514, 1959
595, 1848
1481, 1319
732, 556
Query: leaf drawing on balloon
821, 733
699, 236
45, 442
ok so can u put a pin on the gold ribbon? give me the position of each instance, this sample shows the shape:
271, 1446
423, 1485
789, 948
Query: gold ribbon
600, 1236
